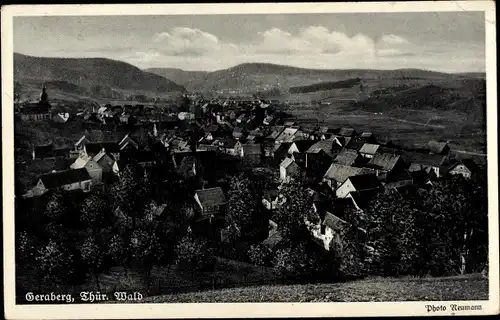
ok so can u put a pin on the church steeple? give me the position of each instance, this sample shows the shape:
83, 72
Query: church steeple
44, 97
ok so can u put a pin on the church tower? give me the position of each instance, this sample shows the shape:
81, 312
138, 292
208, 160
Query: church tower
44, 97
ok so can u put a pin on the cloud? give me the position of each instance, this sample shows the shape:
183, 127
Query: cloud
393, 39
187, 41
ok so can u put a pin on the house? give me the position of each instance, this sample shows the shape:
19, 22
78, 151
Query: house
253, 153
368, 150
302, 135
290, 123
35, 112
238, 133
332, 220
367, 137
185, 165
434, 164
68, 180
242, 118
338, 173
466, 168
287, 135
355, 144
186, 116
211, 204
43, 151
127, 143
276, 131
347, 132
436, 147
386, 165
348, 157
92, 167
233, 147
106, 162
340, 141
358, 183
270, 199
269, 120
281, 151
93, 148
289, 170
60, 117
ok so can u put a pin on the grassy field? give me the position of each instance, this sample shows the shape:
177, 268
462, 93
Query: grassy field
409, 126
471, 287
226, 273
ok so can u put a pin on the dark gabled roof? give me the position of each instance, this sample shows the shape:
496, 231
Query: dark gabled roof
96, 147
323, 145
340, 172
45, 151
388, 149
282, 150
58, 179
35, 108
41, 166
230, 143
249, 149
276, 131
363, 198
383, 161
436, 146
304, 145
347, 132
355, 144
365, 182
211, 197
434, 160
332, 221
346, 157
144, 156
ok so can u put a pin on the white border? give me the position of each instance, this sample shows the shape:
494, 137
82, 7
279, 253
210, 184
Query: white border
236, 310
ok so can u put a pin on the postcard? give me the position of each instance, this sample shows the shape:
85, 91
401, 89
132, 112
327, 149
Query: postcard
250, 160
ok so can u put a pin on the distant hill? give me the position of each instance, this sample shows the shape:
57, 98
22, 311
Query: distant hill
467, 96
89, 73
178, 75
257, 76
326, 86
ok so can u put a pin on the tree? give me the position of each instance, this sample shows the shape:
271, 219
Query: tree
194, 252
260, 255
391, 228
291, 217
119, 250
245, 212
348, 249
55, 208
94, 212
456, 233
303, 262
93, 255
131, 196
52, 262
26, 248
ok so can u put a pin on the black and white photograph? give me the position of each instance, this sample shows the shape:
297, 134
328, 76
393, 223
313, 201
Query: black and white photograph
203, 157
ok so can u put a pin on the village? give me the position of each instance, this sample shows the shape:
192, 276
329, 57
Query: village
340, 166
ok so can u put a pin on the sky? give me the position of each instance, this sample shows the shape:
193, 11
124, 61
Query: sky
440, 41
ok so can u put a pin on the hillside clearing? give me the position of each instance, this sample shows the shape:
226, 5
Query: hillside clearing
471, 287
